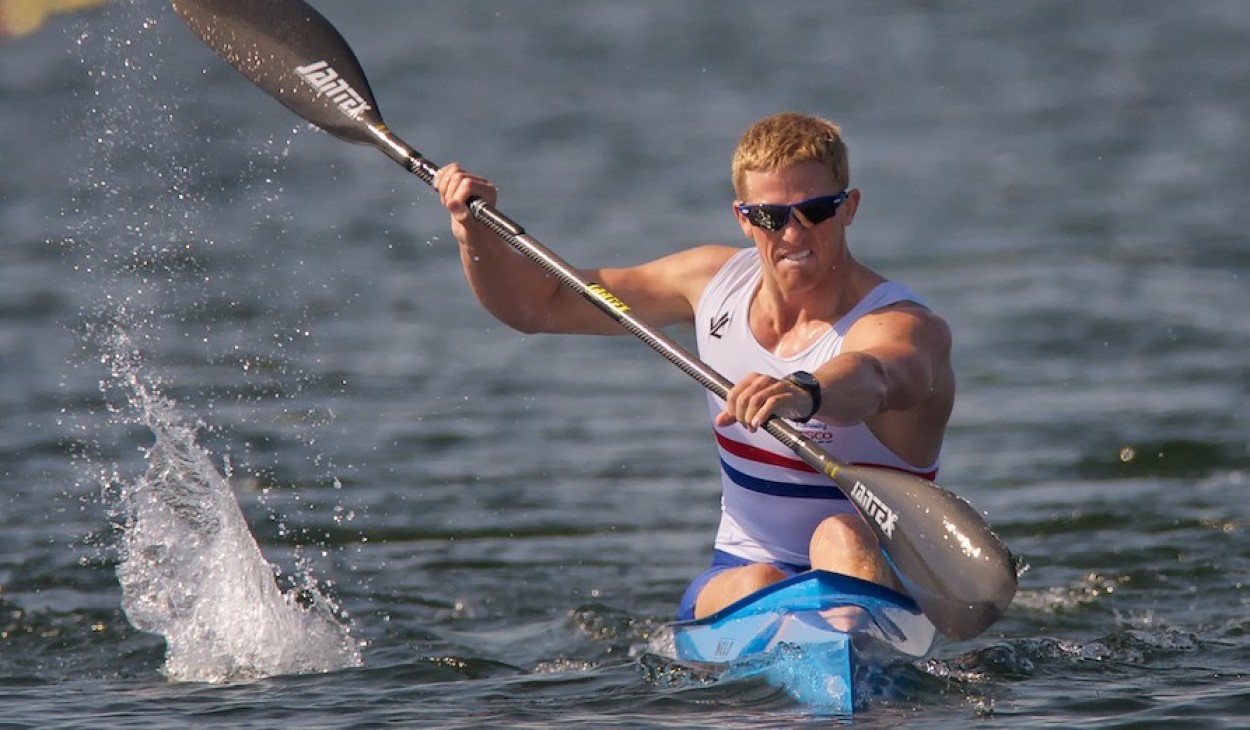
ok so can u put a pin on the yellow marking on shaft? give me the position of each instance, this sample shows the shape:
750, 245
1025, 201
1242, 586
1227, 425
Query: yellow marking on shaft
608, 298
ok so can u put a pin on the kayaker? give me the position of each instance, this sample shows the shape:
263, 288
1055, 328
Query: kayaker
804, 330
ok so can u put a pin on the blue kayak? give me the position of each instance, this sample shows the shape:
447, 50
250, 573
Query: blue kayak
810, 635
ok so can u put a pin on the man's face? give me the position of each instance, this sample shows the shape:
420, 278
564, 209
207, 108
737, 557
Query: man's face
802, 253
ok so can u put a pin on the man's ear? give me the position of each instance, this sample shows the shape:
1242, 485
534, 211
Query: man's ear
852, 205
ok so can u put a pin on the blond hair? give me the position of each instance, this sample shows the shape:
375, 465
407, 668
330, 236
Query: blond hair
787, 139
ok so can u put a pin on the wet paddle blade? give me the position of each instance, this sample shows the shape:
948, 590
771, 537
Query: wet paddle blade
942, 549
295, 54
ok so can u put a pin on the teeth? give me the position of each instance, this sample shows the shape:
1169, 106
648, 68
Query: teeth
799, 257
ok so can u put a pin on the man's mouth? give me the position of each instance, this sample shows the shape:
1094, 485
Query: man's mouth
798, 257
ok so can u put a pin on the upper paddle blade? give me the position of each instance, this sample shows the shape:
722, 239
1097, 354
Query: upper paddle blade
943, 551
291, 51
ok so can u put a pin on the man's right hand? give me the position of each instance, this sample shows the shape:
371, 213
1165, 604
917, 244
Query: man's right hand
456, 188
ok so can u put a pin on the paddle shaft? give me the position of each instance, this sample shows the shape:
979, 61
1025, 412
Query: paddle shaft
947, 557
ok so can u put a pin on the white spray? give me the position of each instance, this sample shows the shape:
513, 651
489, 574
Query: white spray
191, 570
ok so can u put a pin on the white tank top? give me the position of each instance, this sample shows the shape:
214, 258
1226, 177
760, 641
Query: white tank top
772, 501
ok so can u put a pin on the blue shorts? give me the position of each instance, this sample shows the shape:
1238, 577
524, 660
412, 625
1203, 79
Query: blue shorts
722, 561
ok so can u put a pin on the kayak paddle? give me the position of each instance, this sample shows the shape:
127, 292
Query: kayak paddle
947, 557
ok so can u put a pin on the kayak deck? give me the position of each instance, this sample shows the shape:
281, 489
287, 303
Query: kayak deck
810, 635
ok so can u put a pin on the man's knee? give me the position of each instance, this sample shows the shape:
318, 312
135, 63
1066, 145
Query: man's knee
735, 584
842, 535
846, 544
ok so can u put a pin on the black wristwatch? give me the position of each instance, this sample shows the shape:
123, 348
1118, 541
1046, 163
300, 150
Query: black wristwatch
808, 382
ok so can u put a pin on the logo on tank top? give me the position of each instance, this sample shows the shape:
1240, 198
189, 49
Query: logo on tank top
718, 324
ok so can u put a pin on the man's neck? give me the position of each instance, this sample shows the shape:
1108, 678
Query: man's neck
787, 322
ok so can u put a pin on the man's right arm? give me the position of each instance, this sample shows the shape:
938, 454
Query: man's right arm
519, 293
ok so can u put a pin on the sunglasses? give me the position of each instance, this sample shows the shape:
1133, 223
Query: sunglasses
774, 217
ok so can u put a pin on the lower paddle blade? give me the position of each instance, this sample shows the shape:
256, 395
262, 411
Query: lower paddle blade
291, 51
945, 554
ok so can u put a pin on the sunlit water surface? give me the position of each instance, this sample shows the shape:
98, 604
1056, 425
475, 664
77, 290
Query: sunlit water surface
265, 461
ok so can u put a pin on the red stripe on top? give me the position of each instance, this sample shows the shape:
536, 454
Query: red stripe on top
763, 456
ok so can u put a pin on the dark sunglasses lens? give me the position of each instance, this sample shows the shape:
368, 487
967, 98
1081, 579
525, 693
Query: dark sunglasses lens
769, 217
820, 209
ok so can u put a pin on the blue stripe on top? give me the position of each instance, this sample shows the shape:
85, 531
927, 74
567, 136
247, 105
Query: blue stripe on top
781, 489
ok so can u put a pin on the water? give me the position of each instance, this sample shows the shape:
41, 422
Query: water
190, 569
467, 527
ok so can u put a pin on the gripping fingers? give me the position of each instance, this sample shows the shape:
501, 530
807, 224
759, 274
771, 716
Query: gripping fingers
457, 187
754, 399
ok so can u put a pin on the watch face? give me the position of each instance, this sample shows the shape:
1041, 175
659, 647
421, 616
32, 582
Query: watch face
805, 379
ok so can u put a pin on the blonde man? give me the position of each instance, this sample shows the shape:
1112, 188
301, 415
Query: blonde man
804, 330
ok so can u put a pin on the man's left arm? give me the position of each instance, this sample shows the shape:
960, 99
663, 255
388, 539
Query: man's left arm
893, 360
896, 359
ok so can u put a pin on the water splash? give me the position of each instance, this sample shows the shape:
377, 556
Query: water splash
191, 570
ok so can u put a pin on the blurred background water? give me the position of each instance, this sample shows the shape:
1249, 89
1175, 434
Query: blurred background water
470, 527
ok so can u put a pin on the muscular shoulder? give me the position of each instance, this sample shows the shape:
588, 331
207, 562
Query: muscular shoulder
905, 322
